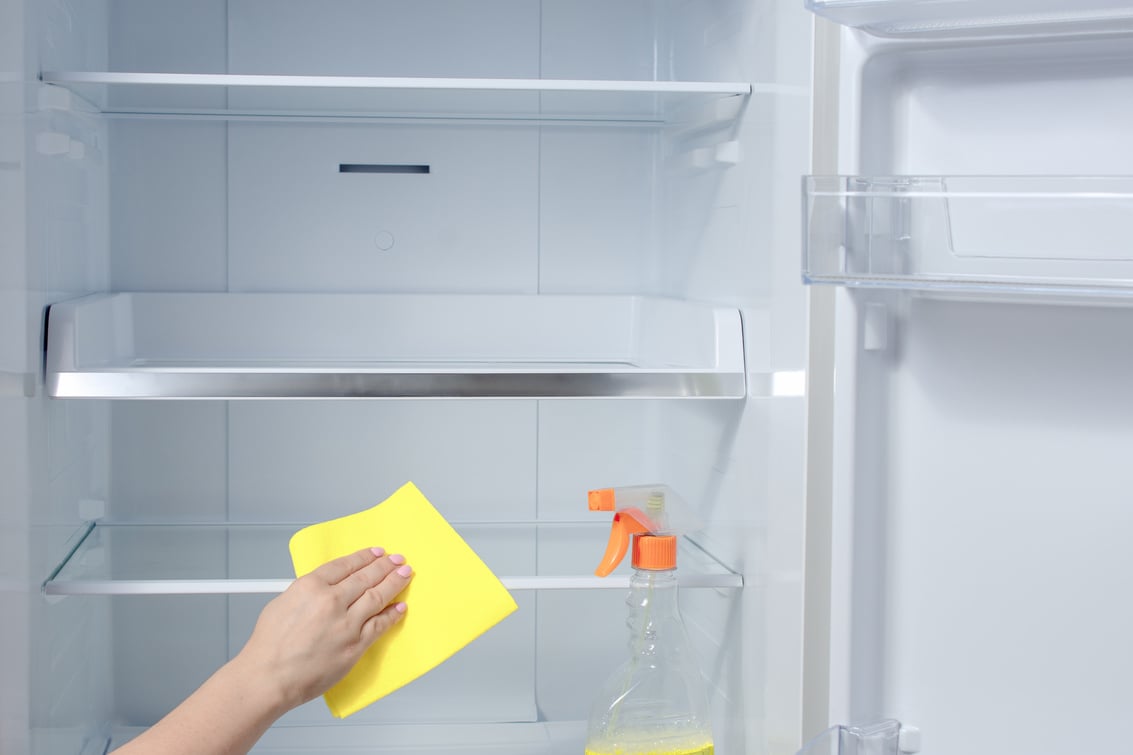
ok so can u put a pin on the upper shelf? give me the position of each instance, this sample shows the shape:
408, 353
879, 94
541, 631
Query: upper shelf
971, 17
231, 559
233, 346
236, 95
1010, 235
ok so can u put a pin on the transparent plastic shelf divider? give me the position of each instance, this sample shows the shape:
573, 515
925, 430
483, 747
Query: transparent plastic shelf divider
1026, 234
520, 738
387, 97
223, 559
231, 346
966, 17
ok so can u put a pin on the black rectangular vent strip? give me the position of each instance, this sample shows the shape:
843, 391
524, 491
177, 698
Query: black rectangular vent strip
381, 168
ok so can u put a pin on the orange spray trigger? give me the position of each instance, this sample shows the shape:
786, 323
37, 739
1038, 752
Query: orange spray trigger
626, 523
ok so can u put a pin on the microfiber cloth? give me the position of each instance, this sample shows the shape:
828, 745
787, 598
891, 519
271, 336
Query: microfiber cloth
453, 597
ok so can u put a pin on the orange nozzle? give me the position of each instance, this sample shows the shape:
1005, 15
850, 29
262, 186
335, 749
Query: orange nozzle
626, 523
600, 500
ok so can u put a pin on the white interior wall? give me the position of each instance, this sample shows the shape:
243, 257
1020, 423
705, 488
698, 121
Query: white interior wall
18, 327
731, 234
597, 231
295, 223
64, 454
251, 206
568, 209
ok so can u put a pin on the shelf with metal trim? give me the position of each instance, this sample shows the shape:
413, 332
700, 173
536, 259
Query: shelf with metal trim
246, 346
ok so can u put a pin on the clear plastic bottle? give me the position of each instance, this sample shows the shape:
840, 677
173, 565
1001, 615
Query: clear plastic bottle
655, 703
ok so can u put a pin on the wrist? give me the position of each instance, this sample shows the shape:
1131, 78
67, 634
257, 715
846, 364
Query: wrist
260, 686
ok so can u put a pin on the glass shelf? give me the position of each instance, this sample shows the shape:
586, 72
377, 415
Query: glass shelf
964, 17
247, 95
546, 738
231, 559
1011, 235
231, 346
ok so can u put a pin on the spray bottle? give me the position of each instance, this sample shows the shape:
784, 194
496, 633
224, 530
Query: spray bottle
655, 703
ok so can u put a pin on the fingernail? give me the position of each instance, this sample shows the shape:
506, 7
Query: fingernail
379, 552
405, 571
400, 607
397, 559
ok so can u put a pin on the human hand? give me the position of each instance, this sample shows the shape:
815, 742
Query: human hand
313, 633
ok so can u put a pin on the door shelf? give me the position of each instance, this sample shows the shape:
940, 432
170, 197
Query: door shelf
986, 235
242, 346
248, 95
235, 559
967, 17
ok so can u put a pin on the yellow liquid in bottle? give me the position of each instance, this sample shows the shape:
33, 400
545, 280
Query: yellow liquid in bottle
703, 750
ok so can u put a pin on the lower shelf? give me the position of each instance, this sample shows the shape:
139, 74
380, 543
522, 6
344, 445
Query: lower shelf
560, 738
232, 559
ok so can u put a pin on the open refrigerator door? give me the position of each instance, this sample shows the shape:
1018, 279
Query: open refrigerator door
974, 221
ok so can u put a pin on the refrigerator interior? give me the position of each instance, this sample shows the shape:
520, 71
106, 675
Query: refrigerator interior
657, 184
980, 513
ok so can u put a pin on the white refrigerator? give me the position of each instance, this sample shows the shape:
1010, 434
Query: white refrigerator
855, 284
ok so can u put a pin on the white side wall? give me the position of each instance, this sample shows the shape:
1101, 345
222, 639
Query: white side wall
17, 375
56, 455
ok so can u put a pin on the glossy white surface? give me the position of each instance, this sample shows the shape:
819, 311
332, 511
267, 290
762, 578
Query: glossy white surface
979, 487
61, 452
16, 380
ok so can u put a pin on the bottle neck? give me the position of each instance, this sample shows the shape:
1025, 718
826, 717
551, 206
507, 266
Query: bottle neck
654, 620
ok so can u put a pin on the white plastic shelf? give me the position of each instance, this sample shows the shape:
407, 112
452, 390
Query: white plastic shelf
1009, 235
238, 95
232, 559
239, 346
965, 17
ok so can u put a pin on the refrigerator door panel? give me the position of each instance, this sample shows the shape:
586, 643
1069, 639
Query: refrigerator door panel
981, 519
978, 510
974, 17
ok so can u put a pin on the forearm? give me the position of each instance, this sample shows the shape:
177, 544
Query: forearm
225, 716
306, 640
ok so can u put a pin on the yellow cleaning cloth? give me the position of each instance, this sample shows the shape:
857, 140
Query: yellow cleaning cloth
453, 597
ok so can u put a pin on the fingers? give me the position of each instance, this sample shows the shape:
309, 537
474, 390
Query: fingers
353, 586
377, 625
333, 572
382, 591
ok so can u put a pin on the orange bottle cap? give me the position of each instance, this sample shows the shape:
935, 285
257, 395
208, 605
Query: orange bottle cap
655, 552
